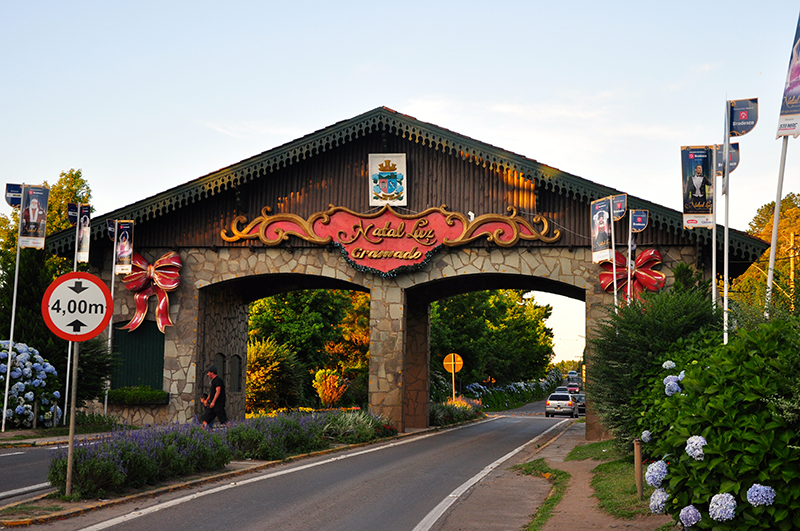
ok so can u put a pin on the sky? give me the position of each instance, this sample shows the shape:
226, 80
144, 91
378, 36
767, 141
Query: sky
144, 96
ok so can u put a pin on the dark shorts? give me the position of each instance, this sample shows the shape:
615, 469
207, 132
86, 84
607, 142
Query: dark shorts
207, 416
219, 414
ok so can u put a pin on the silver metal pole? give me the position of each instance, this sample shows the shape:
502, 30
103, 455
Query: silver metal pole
714, 233
13, 315
775, 221
69, 345
726, 249
613, 253
73, 400
629, 259
111, 322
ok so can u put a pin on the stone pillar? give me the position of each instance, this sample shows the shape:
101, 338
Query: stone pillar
386, 336
416, 365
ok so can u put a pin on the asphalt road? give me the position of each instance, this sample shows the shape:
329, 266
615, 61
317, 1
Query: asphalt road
23, 470
400, 485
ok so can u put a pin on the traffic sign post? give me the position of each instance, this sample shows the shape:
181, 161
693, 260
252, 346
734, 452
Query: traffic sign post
453, 364
76, 307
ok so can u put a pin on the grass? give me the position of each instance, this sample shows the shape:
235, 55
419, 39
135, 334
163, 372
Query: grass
559, 480
28, 509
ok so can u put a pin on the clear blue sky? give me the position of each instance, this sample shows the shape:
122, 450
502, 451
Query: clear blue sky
143, 96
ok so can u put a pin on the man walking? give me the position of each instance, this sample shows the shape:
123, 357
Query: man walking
216, 397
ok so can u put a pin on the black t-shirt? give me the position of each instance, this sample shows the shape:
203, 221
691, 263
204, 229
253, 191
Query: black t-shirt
220, 402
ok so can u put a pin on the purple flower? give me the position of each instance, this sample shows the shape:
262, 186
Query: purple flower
760, 495
690, 516
658, 501
681, 376
671, 378
694, 447
722, 507
656, 472
672, 388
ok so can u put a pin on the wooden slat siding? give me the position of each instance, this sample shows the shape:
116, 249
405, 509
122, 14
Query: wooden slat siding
340, 177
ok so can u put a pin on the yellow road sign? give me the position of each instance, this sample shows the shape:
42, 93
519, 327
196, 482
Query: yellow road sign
453, 363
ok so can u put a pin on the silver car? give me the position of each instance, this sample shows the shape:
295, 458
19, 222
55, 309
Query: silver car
561, 404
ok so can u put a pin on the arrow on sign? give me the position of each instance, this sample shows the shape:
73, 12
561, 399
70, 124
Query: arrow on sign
76, 326
78, 287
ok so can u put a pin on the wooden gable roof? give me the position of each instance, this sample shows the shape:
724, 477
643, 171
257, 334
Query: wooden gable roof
545, 179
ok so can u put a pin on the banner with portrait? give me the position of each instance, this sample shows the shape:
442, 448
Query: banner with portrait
124, 246
84, 231
698, 186
601, 230
789, 120
33, 216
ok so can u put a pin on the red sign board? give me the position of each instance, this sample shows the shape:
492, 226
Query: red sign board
387, 242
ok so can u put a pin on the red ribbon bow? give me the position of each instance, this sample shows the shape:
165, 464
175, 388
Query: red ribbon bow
158, 279
643, 276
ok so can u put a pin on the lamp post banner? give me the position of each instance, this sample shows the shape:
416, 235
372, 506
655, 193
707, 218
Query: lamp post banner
789, 120
33, 216
744, 116
601, 230
698, 186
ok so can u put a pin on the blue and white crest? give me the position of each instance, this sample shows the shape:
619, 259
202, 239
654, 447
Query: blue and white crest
387, 179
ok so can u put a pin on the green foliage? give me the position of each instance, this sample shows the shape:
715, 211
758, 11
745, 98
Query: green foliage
126, 459
453, 412
357, 427
687, 278
95, 365
727, 398
628, 345
614, 486
500, 335
137, 395
274, 376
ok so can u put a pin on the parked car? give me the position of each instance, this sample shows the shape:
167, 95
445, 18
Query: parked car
581, 399
561, 389
573, 388
561, 404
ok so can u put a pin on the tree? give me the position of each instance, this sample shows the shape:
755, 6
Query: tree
501, 336
274, 376
630, 343
748, 291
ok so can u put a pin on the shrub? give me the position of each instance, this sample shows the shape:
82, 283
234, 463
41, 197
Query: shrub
32, 387
627, 348
727, 401
461, 409
330, 386
137, 395
274, 376
133, 458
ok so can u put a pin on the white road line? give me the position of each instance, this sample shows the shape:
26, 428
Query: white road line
12, 453
23, 490
269, 475
445, 504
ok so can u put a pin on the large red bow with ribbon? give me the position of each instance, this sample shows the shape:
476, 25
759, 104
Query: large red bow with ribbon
156, 279
643, 275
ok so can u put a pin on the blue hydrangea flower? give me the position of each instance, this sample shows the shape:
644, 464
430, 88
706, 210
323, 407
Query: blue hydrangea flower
658, 501
29, 396
3, 368
15, 374
669, 364
722, 507
670, 378
694, 447
56, 395
681, 376
690, 516
672, 388
656, 472
20, 410
646, 436
760, 495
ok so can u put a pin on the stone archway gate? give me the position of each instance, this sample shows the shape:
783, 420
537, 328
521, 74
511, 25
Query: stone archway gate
461, 216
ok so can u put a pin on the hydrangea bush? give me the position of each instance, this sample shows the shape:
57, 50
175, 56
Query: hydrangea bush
32, 388
503, 397
732, 455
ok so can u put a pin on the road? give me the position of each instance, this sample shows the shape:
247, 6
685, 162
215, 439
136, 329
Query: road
405, 484
24, 471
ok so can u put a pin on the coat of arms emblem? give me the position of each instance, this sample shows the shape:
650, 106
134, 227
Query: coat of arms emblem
387, 179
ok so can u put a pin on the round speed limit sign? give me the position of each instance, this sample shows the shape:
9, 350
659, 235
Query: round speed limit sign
77, 306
